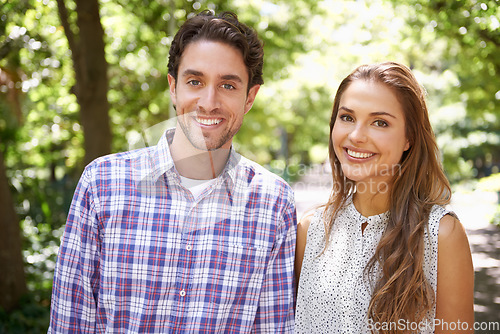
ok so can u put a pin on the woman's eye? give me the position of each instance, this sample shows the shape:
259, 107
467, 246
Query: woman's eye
346, 118
380, 123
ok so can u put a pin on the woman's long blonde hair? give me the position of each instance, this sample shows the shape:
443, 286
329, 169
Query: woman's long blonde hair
402, 291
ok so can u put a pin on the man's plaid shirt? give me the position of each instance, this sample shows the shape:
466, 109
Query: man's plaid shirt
141, 255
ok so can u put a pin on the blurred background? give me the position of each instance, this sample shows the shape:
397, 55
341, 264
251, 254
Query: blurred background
84, 78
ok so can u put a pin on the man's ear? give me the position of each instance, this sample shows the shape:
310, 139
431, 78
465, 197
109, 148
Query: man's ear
171, 83
252, 93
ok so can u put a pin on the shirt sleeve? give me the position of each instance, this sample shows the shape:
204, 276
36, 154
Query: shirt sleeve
76, 276
275, 313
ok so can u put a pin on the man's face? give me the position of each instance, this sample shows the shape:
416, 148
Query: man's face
210, 94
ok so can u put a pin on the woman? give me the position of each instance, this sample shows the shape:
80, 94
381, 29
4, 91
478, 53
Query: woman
384, 254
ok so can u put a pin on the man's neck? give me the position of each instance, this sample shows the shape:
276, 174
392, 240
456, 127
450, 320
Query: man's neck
194, 163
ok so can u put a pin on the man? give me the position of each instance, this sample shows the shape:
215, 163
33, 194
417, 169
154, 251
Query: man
186, 236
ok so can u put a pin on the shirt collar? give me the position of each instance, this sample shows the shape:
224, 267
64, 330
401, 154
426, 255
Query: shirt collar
161, 159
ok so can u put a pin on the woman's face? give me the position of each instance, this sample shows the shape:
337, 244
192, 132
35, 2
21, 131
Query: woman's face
369, 133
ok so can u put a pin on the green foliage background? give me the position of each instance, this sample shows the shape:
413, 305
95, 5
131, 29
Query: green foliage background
310, 45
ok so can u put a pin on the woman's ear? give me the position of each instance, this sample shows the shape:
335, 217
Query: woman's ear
407, 145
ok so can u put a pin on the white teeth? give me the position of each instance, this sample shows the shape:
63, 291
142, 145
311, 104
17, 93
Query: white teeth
359, 155
208, 121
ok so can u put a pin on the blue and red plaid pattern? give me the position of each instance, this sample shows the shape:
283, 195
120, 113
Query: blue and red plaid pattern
140, 255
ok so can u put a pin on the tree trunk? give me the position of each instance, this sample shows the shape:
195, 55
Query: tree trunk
12, 280
91, 87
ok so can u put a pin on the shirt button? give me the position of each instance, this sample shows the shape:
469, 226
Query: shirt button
182, 293
188, 247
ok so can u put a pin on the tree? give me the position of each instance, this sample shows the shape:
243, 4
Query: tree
461, 38
90, 66
12, 281
25, 62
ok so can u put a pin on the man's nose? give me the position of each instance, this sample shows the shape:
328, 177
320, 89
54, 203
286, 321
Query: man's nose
209, 99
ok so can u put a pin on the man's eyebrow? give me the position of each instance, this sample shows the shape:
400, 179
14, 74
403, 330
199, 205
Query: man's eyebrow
192, 72
376, 113
233, 77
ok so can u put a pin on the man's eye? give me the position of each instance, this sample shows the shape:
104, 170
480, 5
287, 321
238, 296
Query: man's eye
194, 82
228, 86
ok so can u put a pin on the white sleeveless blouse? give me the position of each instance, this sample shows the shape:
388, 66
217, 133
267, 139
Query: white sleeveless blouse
333, 293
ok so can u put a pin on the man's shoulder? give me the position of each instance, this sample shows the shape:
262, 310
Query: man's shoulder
136, 160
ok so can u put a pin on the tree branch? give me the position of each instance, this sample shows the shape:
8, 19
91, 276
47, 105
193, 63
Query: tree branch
74, 46
63, 15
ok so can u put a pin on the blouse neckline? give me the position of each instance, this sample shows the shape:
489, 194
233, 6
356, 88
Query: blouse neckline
371, 220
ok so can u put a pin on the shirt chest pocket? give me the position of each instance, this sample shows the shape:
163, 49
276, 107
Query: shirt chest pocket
231, 273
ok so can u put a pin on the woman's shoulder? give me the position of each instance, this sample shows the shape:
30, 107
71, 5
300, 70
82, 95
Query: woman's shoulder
311, 218
444, 223
450, 227
440, 211
437, 213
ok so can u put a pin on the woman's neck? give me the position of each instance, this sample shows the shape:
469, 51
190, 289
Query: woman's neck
369, 202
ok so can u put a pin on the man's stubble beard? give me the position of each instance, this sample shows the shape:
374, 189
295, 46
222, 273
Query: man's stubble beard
199, 140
